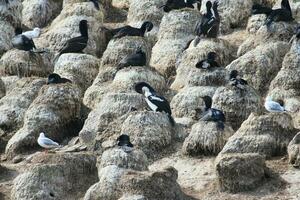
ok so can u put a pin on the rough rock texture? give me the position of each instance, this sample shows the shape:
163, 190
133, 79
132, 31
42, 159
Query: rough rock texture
236, 104
106, 119
267, 134
23, 64
6, 34
188, 75
135, 160
55, 111
280, 31
176, 29
260, 65
294, 151
10, 82
81, 69
149, 131
2, 89
56, 176
240, 172
122, 4
255, 22
188, 99
38, 13
206, 139
65, 26
14, 105
11, 12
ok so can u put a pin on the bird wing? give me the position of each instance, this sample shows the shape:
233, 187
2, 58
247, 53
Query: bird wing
49, 142
75, 44
127, 31
134, 60
272, 105
161, 103
28, 42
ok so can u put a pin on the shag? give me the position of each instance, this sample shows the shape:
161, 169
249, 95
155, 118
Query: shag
96, 4
259, 9
46, 143
123, 141
131, 31
282, 14
209, 62
273, 106
22, 42
155, 102
179, 4
76, 44
212, 114
136, 59
236, 80
56, 79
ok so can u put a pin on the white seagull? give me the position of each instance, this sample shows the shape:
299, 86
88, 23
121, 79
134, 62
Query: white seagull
273, 106
46, 142
35, 33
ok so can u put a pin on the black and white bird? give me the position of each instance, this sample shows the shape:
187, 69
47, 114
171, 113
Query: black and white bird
209, 62
212, 114
281, 14
76, 44
22, 42
56, 79
155, 102
179, 4
273, 106
46, 143
123, 141
96, 4
136, 59
236, 81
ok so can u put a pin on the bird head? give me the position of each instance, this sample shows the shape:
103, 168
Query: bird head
42, 134
212, 56
37, 31
18, 31
208, 5
83, 28
208, 101
147, 26
53, 78
142, 87
233, 74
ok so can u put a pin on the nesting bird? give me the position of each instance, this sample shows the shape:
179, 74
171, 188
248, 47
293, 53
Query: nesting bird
136, 59
209, 62
46, 143
273, 106
123, 141
179, 4
35, 33
155, 102
147, 26
236, 80
76, 44
212, 114
22, 42
96, 4
56, 79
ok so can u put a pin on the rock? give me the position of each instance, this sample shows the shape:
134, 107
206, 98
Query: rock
188, 99
106, 119
260, 65
240, 172
237, 104
176, 29
14, 105
23, 64
206, 139
81, 69
2, 89
255, 22
10, 82
135, 160
121, 4
132, 197
56, 176
38, 13
65, 26
56, 112
294, 150
280, 32
188, 75
12, 12
267, 134
6, 33
149, 131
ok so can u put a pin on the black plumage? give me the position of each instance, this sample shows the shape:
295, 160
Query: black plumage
259, 9
22, 42
56, 79
131, 31
282, 14
136, 59
124, 140
96, 4
209, 62
179, 4
236, 80
76, 44
298, 32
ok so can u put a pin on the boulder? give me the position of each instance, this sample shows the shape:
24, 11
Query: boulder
11, 12
105, 121
10, 82
188, 99
260, 65
149, 131
14, 105
38, 13
56, 112
267, 134
56, 176
240, 172
237, 104
206, 139
255, 22
121, 4
23, 64
188, 75
135, 160
176, 29
294, 151
81, 69
6, 33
